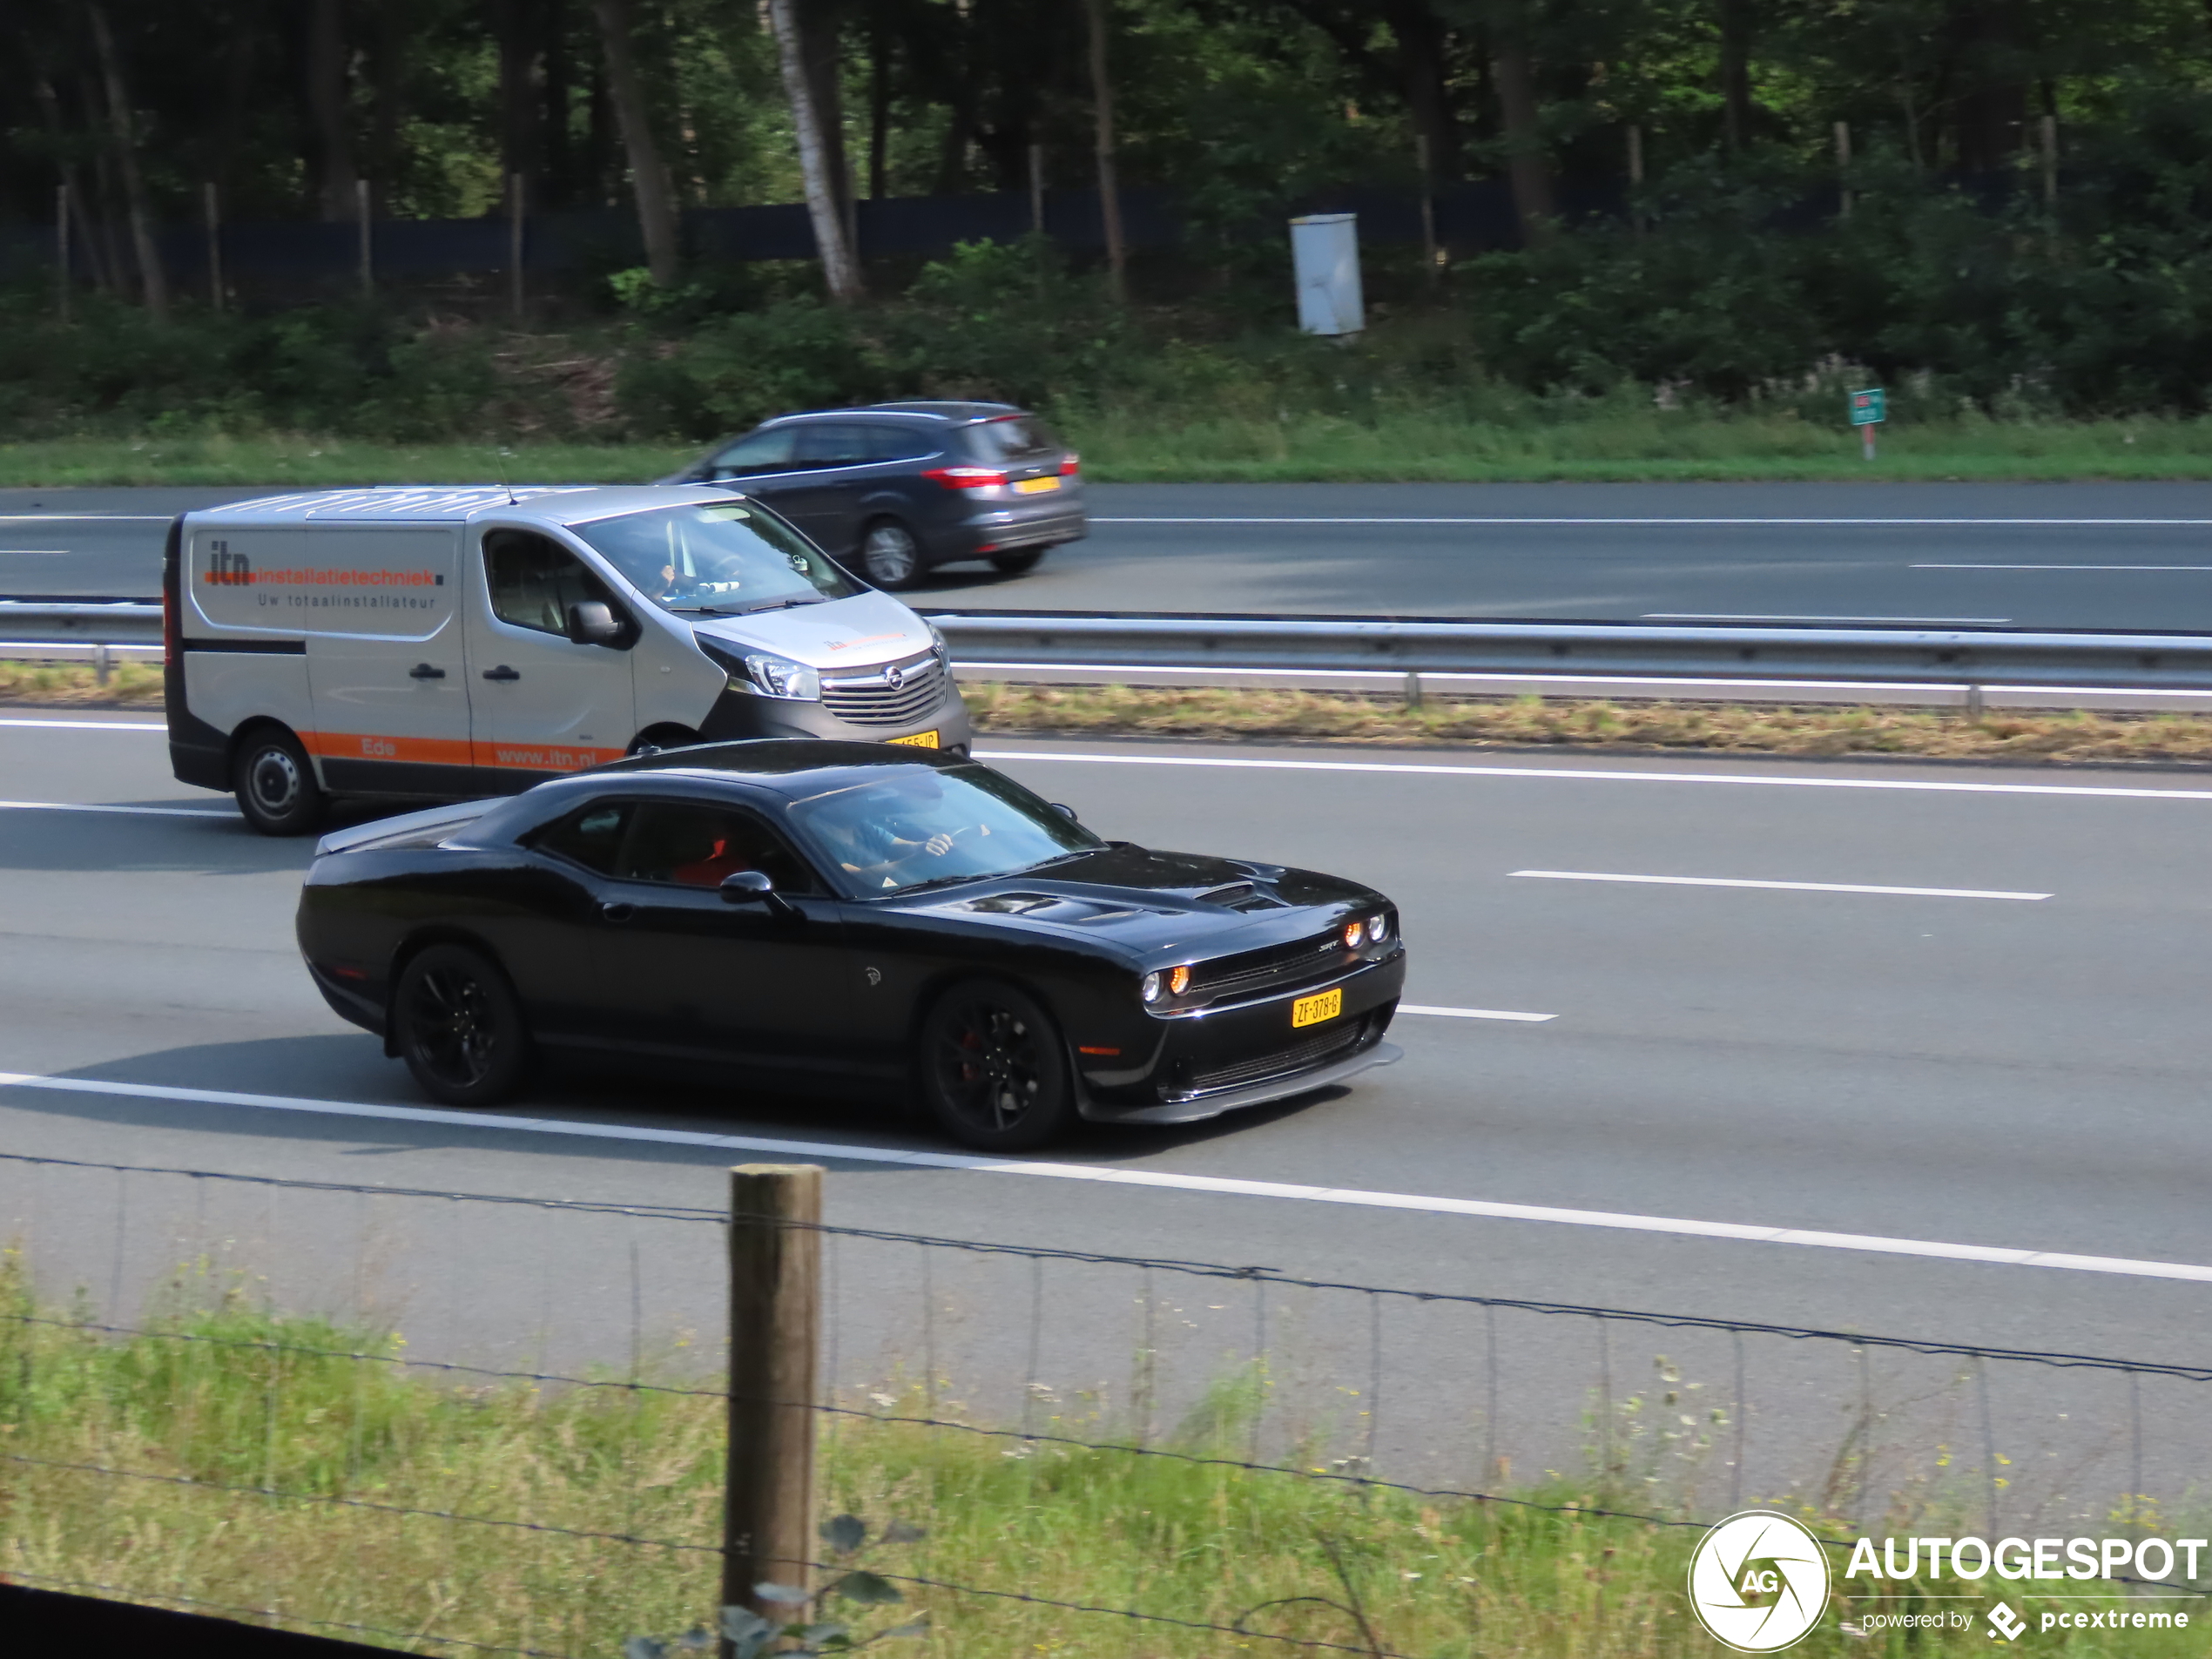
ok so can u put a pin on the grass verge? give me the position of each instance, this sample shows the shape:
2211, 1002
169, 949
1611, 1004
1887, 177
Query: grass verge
272, 1470
1149, 447
1335, 716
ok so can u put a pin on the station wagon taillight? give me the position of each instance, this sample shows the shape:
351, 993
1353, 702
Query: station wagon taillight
1068, 465
964, 478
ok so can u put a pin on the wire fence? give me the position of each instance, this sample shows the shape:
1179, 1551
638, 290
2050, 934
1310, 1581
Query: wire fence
457, 1421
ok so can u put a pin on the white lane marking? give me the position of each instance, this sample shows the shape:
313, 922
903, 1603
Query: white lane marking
1785, 887
1798, 524
1474, 1014
36, 553
1577, 774
1718, 615
136, 812
1222, 1186
2059, 567
95, 725
85, 518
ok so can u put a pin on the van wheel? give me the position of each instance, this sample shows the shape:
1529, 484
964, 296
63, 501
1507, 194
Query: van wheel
890, 557
1021, 559
993, 1070
275, 783
456, 1022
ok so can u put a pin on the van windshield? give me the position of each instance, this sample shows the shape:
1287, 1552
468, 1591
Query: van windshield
721, 558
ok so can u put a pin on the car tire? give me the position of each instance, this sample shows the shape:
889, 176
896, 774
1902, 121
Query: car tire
275, 783
458, 1024
993, 1070
890, 555
1018, 560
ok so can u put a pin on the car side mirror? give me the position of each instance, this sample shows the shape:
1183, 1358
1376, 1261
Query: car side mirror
592, 622
750, 886
1065, 811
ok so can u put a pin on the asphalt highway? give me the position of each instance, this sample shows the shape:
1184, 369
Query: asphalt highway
1914, 1051
2133, 557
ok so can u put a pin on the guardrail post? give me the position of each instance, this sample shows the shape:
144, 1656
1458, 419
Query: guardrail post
775, 1340
1413, 690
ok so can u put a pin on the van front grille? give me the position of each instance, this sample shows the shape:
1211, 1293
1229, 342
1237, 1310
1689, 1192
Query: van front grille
872, 699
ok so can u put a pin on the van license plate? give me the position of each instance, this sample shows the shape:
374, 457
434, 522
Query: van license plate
919, 740
1311, 1010
1035, 486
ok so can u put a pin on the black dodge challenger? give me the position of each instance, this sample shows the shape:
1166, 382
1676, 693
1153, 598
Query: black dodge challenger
855, 917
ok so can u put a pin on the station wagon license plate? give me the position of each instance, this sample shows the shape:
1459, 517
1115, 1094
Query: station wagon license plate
918, 740
1311, 1010
1035, 486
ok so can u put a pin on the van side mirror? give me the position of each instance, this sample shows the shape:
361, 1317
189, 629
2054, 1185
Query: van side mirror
592, 622
750, 886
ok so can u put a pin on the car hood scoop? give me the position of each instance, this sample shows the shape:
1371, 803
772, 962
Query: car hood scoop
1067, 908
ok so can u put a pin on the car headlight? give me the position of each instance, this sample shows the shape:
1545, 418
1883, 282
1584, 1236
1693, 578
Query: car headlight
1149, 988
1379, 927
781, 677
1355, 935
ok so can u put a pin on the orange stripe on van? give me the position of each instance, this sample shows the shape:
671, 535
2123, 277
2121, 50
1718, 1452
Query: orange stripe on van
457, 752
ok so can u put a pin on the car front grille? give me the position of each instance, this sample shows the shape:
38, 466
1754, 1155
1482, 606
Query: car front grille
1299, 1056
1279, 967
872, 700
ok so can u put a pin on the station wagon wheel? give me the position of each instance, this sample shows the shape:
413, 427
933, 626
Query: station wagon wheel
993, 1068
890, 557
457, 1024
275, 783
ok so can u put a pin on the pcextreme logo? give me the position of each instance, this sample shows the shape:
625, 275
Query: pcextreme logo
1758, 1582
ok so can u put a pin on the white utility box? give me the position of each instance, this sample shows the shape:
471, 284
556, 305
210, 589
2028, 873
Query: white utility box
1324, 249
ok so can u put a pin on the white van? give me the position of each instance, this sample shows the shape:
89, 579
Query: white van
444, 643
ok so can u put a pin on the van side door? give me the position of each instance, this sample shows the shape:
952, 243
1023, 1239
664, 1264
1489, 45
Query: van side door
544, 703
380, 606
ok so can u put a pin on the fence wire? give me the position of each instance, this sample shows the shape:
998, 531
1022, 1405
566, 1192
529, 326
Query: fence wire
599, 1317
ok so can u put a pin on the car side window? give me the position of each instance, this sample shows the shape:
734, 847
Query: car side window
900, 442
592, 837
770, 451
832, 443
697, 844
533, 582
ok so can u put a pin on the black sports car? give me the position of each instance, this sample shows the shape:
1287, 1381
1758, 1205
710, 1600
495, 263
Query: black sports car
855, 916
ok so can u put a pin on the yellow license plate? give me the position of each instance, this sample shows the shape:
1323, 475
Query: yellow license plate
1311, 1010
1035, 486
919, 740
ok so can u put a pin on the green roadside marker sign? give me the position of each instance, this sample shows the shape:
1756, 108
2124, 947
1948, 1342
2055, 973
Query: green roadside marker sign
1869, 407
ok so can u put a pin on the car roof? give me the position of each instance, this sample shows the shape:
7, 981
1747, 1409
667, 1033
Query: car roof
561, 504
783, 764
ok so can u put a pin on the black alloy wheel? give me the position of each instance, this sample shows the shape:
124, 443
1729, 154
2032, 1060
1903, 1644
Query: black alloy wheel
1016, 560
457, 1024
275, 783
994, 1070
890, 557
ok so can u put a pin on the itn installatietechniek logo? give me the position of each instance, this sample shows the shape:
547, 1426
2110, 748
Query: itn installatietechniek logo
1758, 1582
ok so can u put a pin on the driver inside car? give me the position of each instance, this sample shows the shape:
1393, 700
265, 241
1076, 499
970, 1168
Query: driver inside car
878, 827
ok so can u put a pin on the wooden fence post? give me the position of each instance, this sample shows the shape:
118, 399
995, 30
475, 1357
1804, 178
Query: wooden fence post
516, 208
213, 204
60, 250
775, 1340
366, 237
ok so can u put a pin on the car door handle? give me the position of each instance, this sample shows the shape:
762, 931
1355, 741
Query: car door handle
502, 673
426, 671
617, 911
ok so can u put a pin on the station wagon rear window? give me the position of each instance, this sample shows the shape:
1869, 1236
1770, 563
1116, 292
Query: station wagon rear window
717, 558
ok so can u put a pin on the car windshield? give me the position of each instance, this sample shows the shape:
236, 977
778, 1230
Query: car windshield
918, 825
725, 557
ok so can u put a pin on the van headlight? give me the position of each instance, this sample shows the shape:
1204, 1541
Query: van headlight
781, 677
937, 641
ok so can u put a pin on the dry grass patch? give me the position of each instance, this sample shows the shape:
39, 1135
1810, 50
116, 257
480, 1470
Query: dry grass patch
130, 685
1123, 710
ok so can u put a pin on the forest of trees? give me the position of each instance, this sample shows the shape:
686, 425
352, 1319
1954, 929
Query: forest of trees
2015, 194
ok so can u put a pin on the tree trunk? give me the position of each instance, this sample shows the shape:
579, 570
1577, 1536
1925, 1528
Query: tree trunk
326, 111
1110, 195
648, 179
878, 107
1735, 72
1992, 111
50, 110
1533, 201
824, 207
388, 48
153, 282
1424, 64
513, 22
819, 34
557, 148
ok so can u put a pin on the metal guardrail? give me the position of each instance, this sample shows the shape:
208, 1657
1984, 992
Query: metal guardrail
1071, 643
